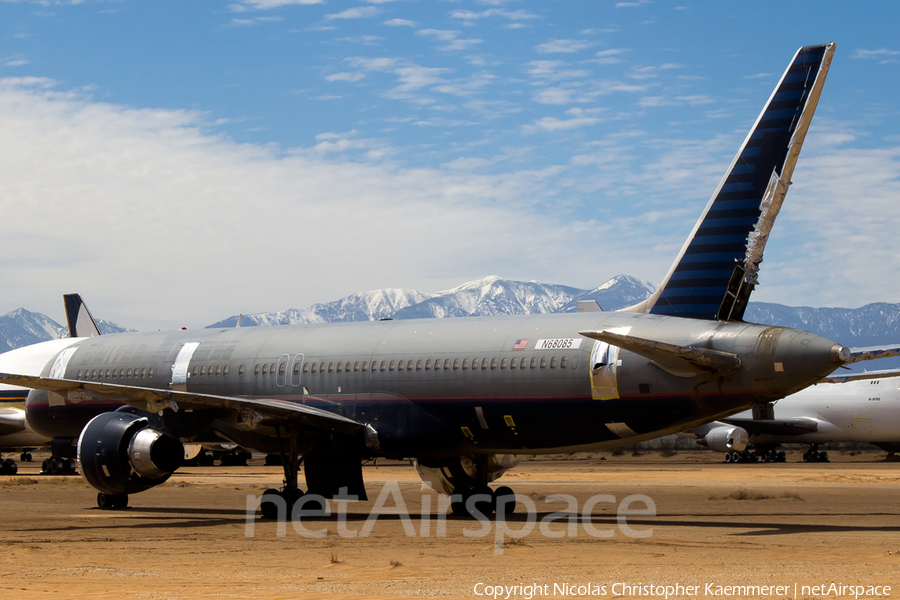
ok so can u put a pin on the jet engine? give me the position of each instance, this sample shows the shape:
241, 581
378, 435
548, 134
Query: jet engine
120, 454
446, 475
727, 439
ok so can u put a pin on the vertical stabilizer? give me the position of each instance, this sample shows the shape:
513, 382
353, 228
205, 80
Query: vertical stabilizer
717, 267
78, 317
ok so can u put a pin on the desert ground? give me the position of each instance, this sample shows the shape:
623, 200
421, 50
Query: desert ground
714, 524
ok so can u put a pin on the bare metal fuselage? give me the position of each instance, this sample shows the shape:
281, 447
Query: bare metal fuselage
444, 387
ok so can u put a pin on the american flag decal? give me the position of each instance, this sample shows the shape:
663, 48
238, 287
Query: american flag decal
520, 345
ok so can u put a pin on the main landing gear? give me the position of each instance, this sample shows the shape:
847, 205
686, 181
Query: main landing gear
112, 501
25, 456
813, 454
59, 466
480, 499
291, 493
8, 467
766, 455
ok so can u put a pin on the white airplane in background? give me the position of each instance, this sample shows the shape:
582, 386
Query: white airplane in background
15, 433
839, 410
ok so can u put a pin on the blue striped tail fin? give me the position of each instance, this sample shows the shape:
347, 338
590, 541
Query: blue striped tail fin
716, 270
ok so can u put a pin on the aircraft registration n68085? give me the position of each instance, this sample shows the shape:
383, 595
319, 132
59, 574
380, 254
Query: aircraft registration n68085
457, 395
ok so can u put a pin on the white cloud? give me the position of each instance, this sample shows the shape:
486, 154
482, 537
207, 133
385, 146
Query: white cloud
565, 46
246, 5
161, 225
349, 77
551, 124
470, 16
882, 55
360, 12
445, 35
400, 23
649, 101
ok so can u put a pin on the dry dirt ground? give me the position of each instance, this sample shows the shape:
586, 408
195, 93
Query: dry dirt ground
718, 524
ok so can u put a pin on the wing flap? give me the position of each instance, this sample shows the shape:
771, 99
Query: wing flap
682, 361
153, 400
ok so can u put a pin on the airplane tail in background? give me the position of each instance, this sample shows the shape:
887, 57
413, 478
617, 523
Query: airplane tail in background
78, 317
717, 267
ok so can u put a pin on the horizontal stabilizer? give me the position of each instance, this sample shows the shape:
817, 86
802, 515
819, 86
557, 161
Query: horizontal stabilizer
682, 361
151, 400
797, 426
873, 353
837, 377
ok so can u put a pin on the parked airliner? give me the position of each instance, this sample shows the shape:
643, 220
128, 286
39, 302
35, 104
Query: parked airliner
457, 395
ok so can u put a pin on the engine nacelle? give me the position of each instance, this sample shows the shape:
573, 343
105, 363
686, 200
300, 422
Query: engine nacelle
120, 454
445, 475
728, 439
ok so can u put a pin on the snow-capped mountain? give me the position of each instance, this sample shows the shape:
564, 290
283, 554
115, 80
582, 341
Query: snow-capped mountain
487, 296
363, 306
22, 327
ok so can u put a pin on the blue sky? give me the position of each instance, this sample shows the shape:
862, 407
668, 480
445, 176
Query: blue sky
179, 162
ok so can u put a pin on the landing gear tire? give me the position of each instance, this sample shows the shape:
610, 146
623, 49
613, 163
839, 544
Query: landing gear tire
25, 457
781, 457
504, 495
8, 467
728, 457
112, 501
823, 457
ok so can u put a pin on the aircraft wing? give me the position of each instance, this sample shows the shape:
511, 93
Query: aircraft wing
837, 378
681, 361
797, 426
151, 400
12, 420
872, 353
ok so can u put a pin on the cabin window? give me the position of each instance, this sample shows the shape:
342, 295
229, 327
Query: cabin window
195, 370
391, 369
296, 367
365, 367
513, 363
456, 364
340, 367
543, 362
305, 368
256, 370
409, 365
563, 362
107, 373
428, 365
553, 363
383, 366
150, 372
143, 370
225, 371
503, 363
272, 368
93, 373
219, 369
331, 367
128, 373
533, 362
265, 370
400, 366
465, 364
356, 367
484, 364
240, 370
419, 365
447, 364
493, 364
